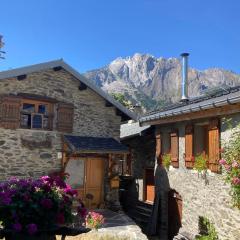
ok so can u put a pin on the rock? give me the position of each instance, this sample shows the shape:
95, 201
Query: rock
45, 155
2, 143
8, 154
145, 77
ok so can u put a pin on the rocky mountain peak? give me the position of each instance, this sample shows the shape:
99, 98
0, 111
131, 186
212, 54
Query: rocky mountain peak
150, 81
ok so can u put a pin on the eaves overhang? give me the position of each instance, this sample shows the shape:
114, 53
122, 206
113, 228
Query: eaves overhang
212, 103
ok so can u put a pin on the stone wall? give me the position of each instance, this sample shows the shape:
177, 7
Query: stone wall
34, 152
91, 117
212, 200
143, 155
19, 157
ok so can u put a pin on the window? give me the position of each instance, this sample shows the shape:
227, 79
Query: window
36, 115
203, 138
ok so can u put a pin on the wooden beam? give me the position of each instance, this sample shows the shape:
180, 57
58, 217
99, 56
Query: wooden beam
108, 104
21, 77
219, 111
123, 116
57, 68
82, 86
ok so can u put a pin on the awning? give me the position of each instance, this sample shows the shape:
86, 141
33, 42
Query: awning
80, 144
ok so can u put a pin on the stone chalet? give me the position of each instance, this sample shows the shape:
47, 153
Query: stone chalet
53, 119
184, 130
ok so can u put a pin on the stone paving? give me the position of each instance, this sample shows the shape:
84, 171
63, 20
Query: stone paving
121, 225
117, 226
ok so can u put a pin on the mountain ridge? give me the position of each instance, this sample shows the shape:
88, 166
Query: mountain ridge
153, 82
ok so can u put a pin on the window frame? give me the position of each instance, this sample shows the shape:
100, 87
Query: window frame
48, 113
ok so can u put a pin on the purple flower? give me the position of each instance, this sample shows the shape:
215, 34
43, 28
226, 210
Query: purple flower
46, 203
17, 227
32, 228
5, 198
68, 190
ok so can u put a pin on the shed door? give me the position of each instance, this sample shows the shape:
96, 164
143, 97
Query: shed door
94, 182
149, 184
86, 176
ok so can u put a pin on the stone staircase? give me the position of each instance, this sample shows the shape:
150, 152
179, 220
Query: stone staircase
140, 212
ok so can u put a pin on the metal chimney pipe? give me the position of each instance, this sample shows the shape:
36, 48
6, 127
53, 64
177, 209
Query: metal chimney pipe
184, 77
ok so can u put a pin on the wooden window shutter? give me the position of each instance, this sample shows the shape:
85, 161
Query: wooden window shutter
189, 162
159, 149
174, 149
65, 115
10, 112
213, 145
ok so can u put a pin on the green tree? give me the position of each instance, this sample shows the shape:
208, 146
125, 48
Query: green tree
121, 99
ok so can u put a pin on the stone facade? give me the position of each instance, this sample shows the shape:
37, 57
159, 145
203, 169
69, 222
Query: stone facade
212, 200
35, 152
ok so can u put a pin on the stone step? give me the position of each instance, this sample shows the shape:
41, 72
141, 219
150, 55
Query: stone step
180, 237
144, 209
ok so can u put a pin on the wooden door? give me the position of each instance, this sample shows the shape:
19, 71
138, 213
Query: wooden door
86, 176
94, 182
149, 185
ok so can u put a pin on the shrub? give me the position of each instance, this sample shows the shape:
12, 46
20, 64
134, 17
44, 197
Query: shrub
206, 229
32, 205
231, 165
200, 163
166, 161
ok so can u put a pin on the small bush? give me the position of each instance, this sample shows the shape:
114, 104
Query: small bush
166, 161
207, 230
200, 163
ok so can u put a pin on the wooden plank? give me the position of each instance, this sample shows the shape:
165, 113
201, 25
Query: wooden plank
10, 112
174, 149
214, 145
94, 181
65, 115
189, 146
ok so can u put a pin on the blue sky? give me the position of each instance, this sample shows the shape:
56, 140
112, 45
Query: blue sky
88, 34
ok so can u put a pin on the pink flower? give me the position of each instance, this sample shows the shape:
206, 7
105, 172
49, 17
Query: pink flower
236, 181
235, 164
228, 167
222, 161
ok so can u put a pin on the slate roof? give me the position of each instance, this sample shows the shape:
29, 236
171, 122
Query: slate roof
60, 63
82, 144
218, 98
130, 129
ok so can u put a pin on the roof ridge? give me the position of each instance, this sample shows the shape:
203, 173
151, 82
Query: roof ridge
56, 63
